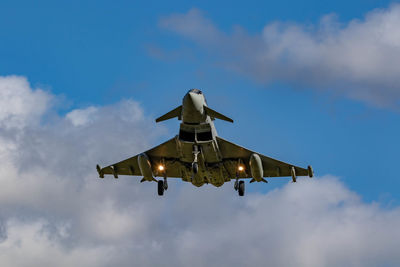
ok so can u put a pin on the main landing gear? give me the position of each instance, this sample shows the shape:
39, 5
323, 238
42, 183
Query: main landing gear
239, 186
162, 186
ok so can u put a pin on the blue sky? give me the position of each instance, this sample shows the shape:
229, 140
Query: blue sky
94, 53
307, 82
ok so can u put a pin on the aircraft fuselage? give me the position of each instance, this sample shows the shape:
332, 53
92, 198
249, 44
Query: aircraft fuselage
197, 141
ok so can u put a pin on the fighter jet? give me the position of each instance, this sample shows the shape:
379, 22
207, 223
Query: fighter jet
199, 156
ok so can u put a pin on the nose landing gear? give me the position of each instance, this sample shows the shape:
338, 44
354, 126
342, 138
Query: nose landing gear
195, 167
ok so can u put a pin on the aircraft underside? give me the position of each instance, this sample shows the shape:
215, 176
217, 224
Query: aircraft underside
205, 166
197, 155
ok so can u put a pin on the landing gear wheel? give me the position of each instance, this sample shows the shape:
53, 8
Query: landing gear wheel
241, 188
195, 167
160, 187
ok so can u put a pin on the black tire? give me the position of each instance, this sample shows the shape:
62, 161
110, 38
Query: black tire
195, 168
241, 188
160, 187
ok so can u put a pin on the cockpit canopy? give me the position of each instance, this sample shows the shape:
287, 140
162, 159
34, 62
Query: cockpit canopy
196, 91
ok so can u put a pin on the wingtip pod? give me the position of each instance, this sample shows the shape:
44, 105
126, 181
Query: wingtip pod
98, 168
293, 174
310, 171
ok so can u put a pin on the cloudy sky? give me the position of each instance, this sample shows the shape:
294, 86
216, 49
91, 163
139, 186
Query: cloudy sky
311, 82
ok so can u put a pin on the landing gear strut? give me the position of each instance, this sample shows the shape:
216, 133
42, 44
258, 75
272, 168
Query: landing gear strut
195, 165
239, 186
165, 184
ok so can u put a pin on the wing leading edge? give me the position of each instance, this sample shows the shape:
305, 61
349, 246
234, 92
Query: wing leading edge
165, 154
233, 153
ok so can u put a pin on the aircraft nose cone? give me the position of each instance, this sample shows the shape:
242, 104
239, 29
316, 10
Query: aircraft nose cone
193, 108
189, 98
194, 101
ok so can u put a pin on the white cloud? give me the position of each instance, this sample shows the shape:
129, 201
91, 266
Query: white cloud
19, 104
56, 212
311, 223
81, 116
33, 244
359, 59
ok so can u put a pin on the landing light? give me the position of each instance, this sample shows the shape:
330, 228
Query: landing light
241, 168
161, 167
